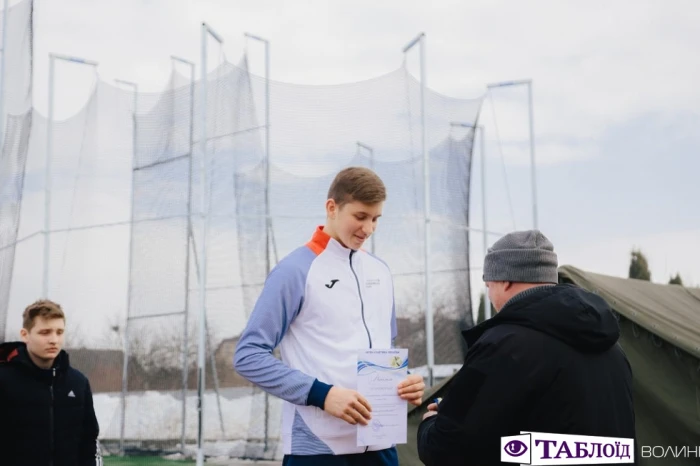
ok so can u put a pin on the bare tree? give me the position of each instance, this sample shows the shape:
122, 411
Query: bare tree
155, 352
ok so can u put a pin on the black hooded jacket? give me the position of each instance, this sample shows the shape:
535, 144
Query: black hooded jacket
46, 415
548, 362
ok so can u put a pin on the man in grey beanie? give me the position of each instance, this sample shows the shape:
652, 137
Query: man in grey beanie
520, 261
548, 361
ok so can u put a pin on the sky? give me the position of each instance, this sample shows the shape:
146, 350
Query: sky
615, 97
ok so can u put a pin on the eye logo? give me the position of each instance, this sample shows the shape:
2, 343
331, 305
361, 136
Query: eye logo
515, 448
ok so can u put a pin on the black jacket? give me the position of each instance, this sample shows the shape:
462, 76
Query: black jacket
46, 416
548, 362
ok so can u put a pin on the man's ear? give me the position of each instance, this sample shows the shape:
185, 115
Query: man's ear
24, 334
331, 208
507, 286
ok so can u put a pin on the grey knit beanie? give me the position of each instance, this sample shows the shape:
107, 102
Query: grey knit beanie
521, 256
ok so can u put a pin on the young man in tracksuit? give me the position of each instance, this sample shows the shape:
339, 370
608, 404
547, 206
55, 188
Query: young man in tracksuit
46, 412
321, 304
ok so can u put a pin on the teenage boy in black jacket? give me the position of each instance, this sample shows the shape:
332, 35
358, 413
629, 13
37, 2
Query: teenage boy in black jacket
46, 412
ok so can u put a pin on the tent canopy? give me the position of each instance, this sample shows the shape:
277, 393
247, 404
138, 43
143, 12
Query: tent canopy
672, 312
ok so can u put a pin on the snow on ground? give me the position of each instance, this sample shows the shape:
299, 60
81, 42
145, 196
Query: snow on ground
157, 416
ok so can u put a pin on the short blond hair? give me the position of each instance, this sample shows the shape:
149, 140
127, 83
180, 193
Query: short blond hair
42, 308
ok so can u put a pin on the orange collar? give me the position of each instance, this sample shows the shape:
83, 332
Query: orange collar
319, 240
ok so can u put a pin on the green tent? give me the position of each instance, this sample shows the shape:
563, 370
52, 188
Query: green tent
660, 333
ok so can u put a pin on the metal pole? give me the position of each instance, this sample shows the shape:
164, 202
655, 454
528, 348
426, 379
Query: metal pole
190, 234
487, 302
426, 191
47, 179
532, 155
527, 82
428, 238
201, 347
185, 331
49, 152
125, 365
267, 146
203, 272
5, 14
268, 220
371, 166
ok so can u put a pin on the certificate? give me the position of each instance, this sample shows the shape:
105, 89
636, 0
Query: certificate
379, 373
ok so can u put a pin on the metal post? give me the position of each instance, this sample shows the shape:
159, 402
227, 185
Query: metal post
533, 168
203, 254
3, 77
47, 180
268, 220
426, 191
49, 152
125, 365
487, 301
201, 347
267, 146
185, 331
532, 155
371, 166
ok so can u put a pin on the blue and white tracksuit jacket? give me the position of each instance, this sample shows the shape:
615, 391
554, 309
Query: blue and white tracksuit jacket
321, 304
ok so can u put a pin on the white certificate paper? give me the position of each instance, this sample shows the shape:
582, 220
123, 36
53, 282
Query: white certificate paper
379, 373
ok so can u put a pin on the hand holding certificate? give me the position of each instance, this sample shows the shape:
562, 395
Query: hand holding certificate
379, 373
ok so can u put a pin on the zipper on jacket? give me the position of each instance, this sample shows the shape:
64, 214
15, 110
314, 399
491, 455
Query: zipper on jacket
51, 452
362, 303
